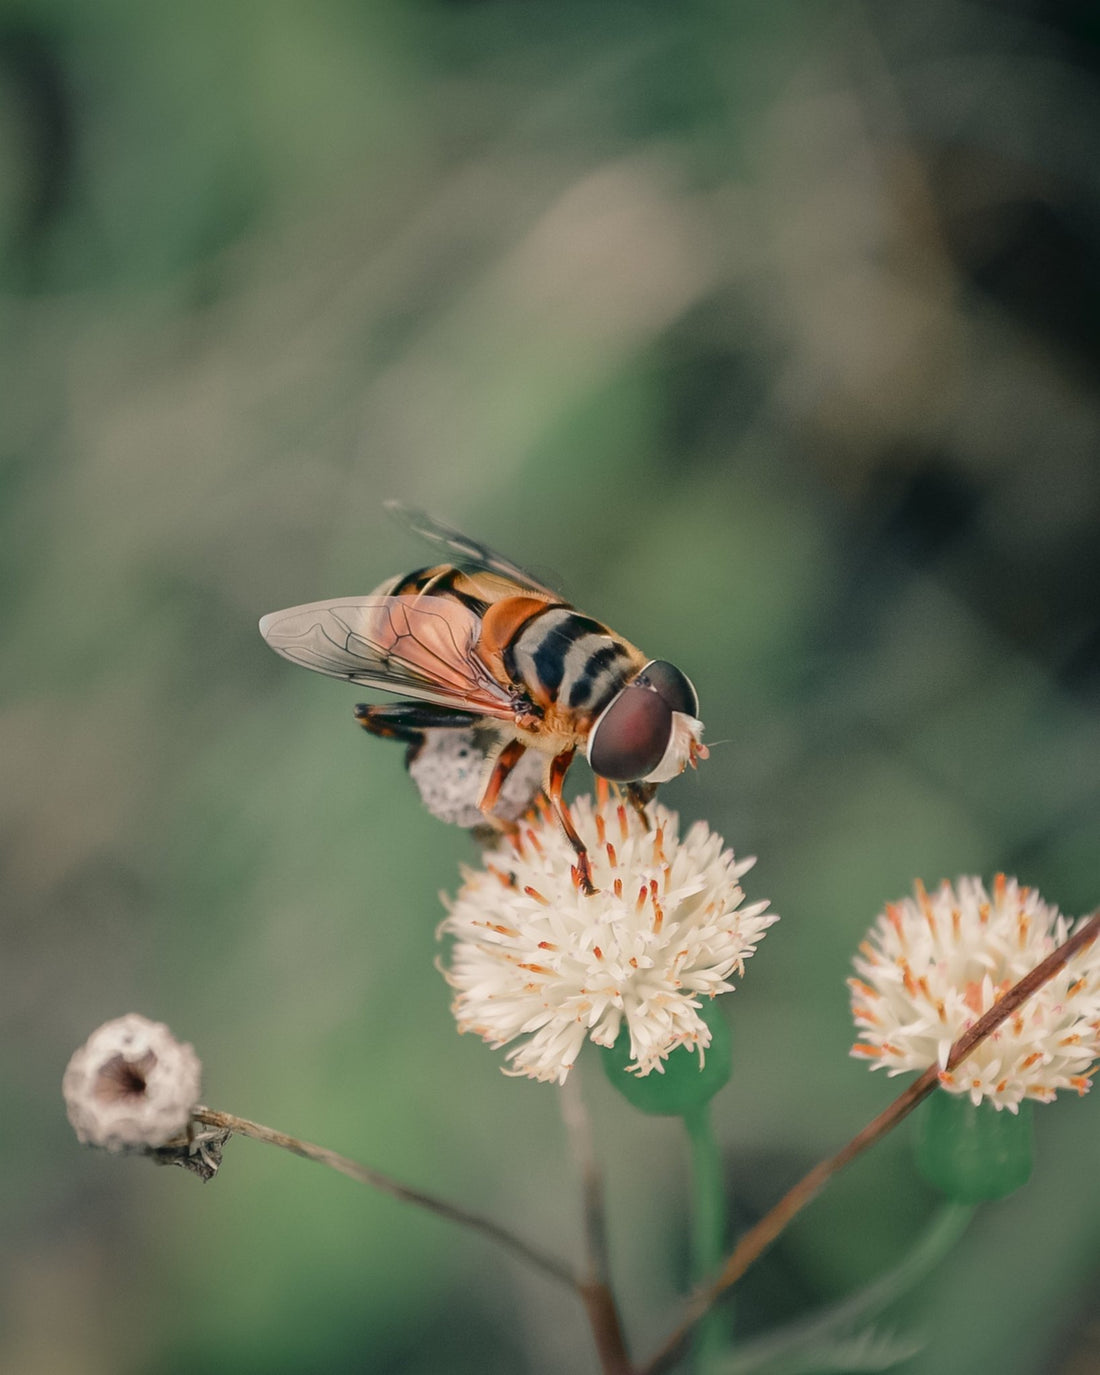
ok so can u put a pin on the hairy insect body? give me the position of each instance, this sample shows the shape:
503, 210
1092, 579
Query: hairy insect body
481, 644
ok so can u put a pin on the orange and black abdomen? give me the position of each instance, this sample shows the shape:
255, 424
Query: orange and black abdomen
441, 580
561, 657
554, 655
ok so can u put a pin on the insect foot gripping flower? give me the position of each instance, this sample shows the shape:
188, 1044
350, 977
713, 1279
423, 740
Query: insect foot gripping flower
131, 1086
933, 964
536, 960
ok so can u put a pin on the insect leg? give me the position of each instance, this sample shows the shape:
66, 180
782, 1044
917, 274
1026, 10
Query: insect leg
506, 761
555, 777
639, 795
407, 721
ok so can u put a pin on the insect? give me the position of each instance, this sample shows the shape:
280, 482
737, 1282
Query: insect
477, 642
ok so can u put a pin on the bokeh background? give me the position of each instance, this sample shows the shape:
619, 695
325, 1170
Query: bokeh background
772, 328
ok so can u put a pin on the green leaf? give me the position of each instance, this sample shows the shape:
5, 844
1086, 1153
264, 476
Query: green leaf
865, 1351
810, 1343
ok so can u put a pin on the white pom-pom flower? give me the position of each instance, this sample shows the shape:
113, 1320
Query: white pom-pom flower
539, 962
131, 1086
934, 963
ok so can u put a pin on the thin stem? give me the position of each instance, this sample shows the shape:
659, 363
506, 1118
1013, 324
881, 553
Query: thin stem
939, 1238
595, 1214
240, 1126
941, 1235
708, 1226
603, 1318
757, 1239
596, 1291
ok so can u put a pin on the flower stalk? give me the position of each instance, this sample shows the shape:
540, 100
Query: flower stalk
596, 1291
755, 1241
708, 1226
240, 1126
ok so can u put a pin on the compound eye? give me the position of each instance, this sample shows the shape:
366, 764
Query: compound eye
629, 739
675, 687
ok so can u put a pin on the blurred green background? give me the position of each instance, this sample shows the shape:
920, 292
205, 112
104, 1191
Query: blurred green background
773, 328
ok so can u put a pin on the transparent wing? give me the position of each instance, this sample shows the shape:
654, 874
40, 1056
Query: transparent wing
424, 647
468, 550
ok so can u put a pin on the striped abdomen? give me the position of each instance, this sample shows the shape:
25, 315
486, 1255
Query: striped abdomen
565, 659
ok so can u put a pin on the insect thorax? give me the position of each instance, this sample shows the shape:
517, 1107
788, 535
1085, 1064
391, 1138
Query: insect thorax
564, 659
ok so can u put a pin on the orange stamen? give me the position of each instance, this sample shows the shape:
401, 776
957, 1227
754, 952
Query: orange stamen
923, 900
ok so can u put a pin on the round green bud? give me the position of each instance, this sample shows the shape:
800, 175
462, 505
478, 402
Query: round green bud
683, 1086
971, 1152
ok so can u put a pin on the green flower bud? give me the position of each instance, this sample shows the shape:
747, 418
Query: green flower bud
972, 1152
683, 1086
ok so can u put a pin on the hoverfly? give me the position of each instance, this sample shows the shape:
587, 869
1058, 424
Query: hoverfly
479, 642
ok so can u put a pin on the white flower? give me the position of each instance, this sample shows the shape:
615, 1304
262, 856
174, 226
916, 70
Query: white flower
536, 958
131, 1085
933, 964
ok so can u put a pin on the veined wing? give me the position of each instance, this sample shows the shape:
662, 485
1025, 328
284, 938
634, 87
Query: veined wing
424, 647
472, 555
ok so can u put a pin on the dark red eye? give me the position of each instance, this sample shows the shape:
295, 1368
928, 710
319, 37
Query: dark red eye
630, 738
675, 687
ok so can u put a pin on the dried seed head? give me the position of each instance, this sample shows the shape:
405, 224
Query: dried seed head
131, 1086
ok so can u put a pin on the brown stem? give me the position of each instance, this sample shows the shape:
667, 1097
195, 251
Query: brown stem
240, 1126
595, 1217
758, 1238
596, 1291
603, 1317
